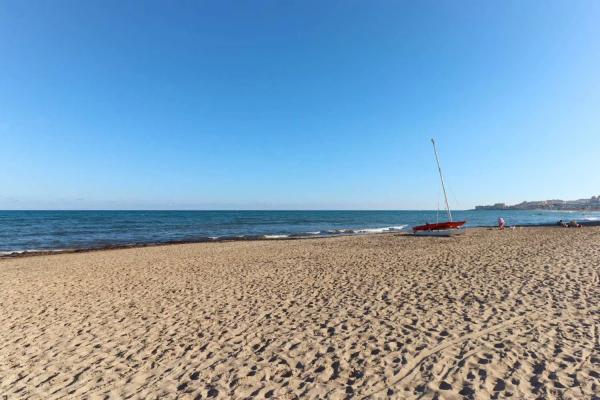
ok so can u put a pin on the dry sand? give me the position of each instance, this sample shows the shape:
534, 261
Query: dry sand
486, 315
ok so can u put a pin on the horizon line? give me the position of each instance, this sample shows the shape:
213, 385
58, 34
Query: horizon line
231, 209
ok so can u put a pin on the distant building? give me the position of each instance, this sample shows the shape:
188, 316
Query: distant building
591, 204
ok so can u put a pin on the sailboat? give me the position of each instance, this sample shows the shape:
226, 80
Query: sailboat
447, 228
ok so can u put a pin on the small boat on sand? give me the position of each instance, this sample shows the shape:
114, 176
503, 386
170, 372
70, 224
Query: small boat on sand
447, 228
440, 229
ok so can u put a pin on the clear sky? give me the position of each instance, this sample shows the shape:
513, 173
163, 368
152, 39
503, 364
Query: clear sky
281, 104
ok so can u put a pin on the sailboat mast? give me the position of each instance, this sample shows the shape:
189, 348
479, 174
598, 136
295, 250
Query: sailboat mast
442, 180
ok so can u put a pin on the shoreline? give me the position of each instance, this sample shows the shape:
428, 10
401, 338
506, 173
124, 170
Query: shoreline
252, 238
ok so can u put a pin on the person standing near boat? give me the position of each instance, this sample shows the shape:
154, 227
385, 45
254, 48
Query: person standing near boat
501, 223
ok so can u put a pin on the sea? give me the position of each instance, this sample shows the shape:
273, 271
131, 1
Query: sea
41, 231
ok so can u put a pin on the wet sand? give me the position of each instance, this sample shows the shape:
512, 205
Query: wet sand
513, 314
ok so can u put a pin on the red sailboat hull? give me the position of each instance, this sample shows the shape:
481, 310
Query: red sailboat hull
440, 226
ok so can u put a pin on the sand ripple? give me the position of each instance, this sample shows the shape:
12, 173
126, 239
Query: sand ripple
491, 314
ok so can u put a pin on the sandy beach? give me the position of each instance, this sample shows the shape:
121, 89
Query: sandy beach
513, 314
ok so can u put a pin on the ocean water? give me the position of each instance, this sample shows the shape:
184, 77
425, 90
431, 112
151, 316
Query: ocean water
60, 230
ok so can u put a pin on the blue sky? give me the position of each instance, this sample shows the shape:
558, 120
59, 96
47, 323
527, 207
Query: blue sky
271, 104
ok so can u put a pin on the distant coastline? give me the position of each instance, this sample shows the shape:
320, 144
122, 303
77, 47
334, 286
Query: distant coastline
591, 204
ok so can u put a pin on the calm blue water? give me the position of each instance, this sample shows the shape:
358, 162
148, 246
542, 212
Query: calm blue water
54, 230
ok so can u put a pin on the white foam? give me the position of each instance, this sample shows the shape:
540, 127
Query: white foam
6, 253
276, 236
381, 230
14, 252
338, 231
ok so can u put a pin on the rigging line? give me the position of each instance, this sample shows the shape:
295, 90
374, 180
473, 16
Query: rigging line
441, 180
455, 199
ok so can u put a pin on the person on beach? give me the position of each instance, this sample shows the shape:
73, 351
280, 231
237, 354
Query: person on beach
501, 223
571, 224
